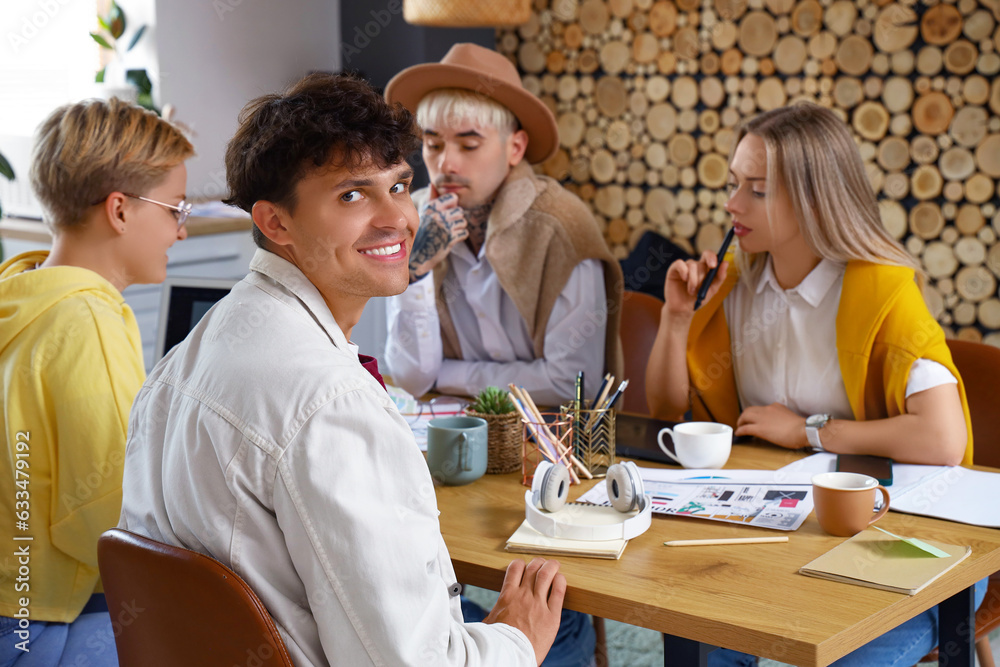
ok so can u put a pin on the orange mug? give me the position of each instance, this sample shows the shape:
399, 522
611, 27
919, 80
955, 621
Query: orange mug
845, 502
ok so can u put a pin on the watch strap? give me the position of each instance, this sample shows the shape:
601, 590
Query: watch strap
813, 425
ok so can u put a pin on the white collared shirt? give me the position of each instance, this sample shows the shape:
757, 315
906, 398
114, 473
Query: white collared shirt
496, 343
262, 441
784, 344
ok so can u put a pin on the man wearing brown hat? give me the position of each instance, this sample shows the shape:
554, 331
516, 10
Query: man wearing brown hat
510, 277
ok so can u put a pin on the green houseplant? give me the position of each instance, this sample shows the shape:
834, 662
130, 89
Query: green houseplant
112, 28
503, 429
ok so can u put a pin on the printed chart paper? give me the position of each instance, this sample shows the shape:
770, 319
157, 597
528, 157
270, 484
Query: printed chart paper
761, 498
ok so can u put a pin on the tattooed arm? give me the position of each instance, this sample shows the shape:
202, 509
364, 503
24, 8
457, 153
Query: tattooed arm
442, 225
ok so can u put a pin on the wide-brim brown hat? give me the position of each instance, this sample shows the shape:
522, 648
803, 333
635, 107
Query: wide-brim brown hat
484, 71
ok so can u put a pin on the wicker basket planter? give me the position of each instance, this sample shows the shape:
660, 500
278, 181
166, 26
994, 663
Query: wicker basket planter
504, 441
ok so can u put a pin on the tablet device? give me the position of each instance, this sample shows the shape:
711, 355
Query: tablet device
878, 467
635, 438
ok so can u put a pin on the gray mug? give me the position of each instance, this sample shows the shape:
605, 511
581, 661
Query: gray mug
456, 449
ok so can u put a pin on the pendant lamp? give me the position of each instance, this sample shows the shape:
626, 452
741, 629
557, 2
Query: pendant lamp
466, 13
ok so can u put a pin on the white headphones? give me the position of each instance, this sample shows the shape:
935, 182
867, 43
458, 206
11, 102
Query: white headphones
549, 490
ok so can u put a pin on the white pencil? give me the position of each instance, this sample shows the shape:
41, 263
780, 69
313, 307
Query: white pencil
735, 540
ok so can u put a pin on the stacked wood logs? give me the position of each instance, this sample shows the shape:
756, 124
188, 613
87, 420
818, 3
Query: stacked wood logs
647, 94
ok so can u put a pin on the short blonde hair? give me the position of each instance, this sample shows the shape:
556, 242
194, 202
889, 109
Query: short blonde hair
439, 107
810, 152
85, 151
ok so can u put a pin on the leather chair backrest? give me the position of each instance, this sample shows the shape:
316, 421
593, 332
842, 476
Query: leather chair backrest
640, 320
979, 366
172, 606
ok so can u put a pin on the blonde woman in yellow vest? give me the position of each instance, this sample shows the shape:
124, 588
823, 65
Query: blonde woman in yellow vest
841, 299
814, 332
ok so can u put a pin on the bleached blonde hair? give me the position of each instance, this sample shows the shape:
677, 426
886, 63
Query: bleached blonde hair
810, 152
451, 105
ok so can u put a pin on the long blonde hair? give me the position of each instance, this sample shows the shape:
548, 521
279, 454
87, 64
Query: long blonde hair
810, 151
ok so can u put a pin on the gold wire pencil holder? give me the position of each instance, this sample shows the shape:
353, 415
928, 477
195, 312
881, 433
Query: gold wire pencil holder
594, 437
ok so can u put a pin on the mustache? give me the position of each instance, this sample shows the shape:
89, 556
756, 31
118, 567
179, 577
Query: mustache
450, 179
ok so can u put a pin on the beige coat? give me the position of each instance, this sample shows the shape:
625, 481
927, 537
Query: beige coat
537, 233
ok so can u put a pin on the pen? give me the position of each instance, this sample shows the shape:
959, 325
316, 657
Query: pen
576, 415
602, 391
618, 393
608, 404
735, 540
707, 282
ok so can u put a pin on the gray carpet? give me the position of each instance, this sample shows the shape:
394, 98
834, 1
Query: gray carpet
629, 646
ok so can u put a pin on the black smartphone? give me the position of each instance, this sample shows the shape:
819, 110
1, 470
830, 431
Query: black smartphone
878, 467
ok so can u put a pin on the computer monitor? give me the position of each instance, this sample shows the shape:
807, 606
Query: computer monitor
183, 303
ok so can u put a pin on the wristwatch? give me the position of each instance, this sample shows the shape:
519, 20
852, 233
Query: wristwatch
813, 424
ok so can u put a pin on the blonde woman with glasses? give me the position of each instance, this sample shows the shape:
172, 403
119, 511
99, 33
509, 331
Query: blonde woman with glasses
111, 178
814, 333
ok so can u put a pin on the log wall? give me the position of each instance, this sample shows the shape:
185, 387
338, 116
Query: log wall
647, 93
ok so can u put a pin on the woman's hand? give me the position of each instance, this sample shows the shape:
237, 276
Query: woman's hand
774, 423
684, 277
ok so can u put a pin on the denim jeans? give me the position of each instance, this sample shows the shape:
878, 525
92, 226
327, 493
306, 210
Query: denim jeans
900, 647
574, 644
86, 642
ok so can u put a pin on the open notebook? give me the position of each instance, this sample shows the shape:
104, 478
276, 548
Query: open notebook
527, 540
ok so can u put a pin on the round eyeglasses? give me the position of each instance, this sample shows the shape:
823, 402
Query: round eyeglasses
181, 211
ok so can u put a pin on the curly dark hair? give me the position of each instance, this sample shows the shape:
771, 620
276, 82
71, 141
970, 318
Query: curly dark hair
324, 120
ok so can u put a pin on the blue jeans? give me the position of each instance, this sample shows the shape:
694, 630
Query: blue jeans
900, 647
86, 642
574, 644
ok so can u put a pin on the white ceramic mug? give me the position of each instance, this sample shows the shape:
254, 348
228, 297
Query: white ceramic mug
699, 444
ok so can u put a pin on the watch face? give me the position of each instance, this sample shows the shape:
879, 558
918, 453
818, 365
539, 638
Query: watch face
817, 421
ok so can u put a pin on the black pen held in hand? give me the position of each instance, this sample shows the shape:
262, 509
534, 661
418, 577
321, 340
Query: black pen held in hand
707, 282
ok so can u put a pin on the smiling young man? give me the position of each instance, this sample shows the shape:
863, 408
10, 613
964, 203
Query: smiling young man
265, 441
511, 279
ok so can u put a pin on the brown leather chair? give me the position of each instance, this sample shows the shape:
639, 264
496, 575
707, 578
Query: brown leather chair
172, 606
979, 366
640, 320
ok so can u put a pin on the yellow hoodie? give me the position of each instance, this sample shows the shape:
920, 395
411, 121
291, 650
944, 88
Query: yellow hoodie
883, 326
70, 366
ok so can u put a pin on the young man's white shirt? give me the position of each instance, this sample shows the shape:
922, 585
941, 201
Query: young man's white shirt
262, 441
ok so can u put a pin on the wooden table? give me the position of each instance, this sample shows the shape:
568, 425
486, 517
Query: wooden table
748, 597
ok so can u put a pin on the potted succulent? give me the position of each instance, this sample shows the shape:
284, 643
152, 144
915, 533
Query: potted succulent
116, 81
503, 431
